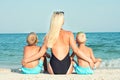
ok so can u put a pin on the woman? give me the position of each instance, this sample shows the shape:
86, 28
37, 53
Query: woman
59, 41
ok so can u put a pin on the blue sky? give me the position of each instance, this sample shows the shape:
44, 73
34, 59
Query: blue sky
23, 16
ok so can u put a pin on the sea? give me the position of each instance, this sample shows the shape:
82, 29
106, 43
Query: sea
105, 45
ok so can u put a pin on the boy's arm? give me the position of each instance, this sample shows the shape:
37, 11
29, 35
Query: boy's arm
25, 53
47, 55
73, 54
92, 55
93, 58
98, 59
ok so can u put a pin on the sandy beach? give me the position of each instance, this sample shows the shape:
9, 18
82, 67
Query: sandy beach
99, 74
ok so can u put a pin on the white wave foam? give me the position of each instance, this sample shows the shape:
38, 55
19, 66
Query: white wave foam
114, 63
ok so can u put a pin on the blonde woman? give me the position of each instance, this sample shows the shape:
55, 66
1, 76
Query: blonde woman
60, 41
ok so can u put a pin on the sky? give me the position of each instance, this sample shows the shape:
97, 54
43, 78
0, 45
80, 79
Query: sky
24, 16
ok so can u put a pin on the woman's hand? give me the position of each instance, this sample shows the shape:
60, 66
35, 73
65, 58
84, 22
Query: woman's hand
23, 62
71, 58
98, 59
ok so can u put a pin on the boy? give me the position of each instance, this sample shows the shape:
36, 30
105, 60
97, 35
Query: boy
33, 67
83, 66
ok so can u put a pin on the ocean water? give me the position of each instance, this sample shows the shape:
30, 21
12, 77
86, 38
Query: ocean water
105, 45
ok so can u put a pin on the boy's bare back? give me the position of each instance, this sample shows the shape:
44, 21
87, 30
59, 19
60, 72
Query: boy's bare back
28, 52
87, 52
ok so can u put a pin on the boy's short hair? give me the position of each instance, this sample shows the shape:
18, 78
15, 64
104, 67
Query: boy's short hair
81, 37
80, 32
32, 38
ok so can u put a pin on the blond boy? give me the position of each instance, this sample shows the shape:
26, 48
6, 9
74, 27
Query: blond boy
82, 66
33, 67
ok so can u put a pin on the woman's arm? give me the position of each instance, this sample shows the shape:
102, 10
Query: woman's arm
36, 56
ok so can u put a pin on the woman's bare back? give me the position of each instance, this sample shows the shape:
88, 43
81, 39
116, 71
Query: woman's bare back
61, 47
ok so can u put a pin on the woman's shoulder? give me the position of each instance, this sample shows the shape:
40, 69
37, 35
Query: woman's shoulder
68, 32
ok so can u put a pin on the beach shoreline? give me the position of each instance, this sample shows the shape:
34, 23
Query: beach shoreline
99, 74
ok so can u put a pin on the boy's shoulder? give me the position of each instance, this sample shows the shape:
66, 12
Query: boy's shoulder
90, 49
26, 47
38, 47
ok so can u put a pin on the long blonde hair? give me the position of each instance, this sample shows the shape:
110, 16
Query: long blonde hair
56, 23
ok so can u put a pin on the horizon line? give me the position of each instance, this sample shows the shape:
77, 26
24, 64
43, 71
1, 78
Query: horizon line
46, 32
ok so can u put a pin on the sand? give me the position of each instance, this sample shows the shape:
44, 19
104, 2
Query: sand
99, 74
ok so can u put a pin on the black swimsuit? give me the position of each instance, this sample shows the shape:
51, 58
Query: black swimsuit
60, 66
